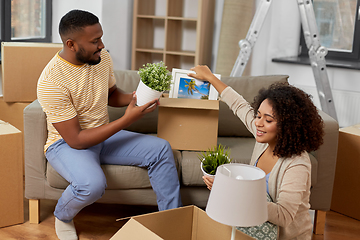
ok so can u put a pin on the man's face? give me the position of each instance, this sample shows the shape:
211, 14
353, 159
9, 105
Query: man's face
89, 45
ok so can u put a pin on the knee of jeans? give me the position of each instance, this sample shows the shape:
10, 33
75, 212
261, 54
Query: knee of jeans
164, 145
94, 188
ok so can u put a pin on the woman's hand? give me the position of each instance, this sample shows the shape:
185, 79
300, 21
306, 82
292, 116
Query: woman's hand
208, 181
202, 72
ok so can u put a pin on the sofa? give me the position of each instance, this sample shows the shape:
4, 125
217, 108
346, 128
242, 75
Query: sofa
131, 185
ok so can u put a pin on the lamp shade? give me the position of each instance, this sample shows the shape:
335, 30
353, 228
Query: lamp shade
238, 196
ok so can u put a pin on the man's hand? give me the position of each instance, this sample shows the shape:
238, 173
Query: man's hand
134, 113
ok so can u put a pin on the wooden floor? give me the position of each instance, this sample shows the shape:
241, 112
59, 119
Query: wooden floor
98, 221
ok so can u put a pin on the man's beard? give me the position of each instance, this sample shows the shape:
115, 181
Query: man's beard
83, 59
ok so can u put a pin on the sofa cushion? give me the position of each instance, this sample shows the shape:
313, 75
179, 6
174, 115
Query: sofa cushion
229, 124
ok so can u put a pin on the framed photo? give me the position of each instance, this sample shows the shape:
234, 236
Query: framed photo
184, 86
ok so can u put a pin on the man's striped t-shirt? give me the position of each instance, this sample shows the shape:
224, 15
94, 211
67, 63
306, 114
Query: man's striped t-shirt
66, 90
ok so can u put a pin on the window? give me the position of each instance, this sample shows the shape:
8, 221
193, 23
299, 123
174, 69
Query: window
338, 27
25, 20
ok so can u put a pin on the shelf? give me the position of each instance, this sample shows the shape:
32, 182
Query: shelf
149, 50
177, 32
182, 19
181, 53
169, 18
151, 17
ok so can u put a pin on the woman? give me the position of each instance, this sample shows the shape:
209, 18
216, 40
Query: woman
286, 126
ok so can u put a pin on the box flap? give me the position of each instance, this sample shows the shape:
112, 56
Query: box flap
355, 129
135, 231
189, 103
7, 128
174, 224
185, 223
205, 228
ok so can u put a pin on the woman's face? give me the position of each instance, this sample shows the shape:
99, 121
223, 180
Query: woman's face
266, 124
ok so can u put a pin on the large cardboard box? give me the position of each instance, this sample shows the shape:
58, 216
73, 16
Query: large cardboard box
22, 64
188, 124
346, 191
11, 175
186, 223
13, 113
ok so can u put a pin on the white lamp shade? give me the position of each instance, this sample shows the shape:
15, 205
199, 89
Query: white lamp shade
238, 196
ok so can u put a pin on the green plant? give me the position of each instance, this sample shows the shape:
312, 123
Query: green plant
214, 157
155, 76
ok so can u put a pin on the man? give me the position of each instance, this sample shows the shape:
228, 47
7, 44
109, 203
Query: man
74, 90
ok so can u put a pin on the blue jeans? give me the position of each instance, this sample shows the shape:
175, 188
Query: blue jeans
81, 168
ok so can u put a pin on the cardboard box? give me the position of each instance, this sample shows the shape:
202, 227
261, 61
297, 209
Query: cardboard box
13, 113
11, 175
346, 191
186, 223
22, 64
188, 124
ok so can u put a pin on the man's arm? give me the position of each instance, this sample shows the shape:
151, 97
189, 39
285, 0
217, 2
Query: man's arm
118, 98
78, 138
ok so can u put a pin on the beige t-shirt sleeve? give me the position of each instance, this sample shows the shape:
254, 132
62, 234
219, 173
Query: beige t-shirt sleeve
56, 102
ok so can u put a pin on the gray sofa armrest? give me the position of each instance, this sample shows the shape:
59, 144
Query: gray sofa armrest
35, 134
321, 192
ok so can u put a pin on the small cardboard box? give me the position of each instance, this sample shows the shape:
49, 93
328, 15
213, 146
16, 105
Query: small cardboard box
186, 223
22, 64
11, 175
188, 124
346, 191
13, 113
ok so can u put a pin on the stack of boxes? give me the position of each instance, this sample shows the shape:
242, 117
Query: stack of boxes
21, 64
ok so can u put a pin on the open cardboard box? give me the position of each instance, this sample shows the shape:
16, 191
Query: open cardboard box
346, 191
185, 223
188, 124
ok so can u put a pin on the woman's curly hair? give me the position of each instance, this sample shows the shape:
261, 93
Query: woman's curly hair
299, 126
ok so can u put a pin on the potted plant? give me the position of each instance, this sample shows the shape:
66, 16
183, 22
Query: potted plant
155, 79
213, 158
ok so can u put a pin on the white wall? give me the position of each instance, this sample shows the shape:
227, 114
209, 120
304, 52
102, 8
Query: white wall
61, 7
115, 18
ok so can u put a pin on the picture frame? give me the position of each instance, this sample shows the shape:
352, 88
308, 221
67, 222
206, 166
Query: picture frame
184, 86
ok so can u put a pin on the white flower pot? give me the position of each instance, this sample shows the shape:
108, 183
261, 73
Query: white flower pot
144, 94
205, 173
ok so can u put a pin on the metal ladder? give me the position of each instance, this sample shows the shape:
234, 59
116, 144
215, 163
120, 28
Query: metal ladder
317, 52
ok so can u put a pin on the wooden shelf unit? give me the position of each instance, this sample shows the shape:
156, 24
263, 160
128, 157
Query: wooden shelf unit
177, 32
